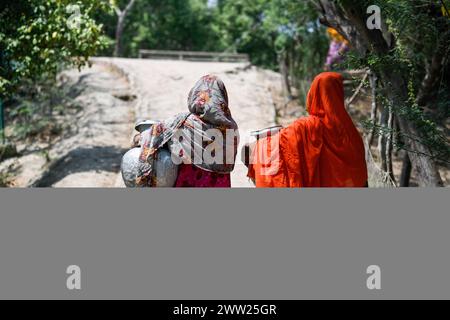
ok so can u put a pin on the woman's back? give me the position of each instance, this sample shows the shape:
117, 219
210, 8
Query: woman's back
322, 150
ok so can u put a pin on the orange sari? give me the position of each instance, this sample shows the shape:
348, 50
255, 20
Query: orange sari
322, 150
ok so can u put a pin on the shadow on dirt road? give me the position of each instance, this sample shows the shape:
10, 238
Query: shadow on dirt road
82, 160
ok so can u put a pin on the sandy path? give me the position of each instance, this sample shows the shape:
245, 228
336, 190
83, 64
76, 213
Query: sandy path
162, 88
90, 154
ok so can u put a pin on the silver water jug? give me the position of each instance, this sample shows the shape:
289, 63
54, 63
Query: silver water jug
165, 171
130, 167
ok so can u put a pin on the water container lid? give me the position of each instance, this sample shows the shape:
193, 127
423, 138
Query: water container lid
140, 124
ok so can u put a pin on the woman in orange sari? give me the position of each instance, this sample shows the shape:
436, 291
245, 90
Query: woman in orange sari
322, 150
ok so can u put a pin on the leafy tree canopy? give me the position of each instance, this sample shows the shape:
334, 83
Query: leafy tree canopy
37, 36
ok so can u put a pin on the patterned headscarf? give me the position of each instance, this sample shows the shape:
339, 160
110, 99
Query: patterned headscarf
186, 133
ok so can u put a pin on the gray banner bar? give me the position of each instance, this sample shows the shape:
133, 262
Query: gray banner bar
224, 244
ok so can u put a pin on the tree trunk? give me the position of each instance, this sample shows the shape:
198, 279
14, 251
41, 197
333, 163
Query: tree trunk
433, 71
374, 110
121, 16
349, 19
383, 124
406, 171
285, 74
119, 32
425, 167
389, 145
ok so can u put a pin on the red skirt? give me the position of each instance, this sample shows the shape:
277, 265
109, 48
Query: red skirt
190, 176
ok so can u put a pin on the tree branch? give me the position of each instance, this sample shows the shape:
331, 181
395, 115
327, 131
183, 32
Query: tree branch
433, 70
121, 25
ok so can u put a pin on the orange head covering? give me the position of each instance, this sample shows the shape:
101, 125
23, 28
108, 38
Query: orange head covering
322, 150
336, 36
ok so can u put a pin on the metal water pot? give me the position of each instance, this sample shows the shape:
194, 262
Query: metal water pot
165, 171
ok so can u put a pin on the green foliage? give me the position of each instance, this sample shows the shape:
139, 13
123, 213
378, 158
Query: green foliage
37, 37
7, 151
261, 28
421, 34
5, 179
244, 26
168, 25
34, 107
265, 29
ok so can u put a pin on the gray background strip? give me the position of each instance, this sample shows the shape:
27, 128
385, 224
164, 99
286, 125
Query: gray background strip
217, 244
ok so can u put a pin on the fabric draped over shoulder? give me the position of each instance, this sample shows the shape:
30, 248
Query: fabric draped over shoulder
207, 127
322, 150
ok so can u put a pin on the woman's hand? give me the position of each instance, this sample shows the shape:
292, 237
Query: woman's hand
246, 153
136, 143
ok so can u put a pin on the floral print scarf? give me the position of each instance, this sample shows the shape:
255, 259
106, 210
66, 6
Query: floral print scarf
188, 135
